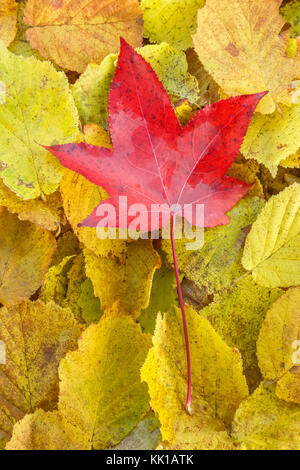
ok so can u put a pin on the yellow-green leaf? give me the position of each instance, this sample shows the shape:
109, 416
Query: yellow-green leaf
45, 213
278, 346
237, 315
264, 422
36, 337
163, 296
25, 255
274, 137
171, 21
37, 109
218, 384
218, 263
291, 14
272, 247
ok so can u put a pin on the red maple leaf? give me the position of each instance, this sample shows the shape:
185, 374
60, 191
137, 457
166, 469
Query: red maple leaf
156, 161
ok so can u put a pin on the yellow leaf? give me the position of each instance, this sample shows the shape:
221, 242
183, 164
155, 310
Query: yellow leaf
80, 197
74, 32
242, 171
237, 315
171, 21
8, 20
47, 431
218, 384
127, 280
240, 45
293, 161
46, 214
272, 138
102, 398
25, 255
278, 346
20, 45
36, 337
271, 250
37, 109
263, 422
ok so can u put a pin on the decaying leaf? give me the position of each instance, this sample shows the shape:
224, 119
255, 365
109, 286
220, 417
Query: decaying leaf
38, 109
127, 280
25, 255
8, 20
264, 422
240, 45
272, 247
278, 346
102, 398
218, 384
36, 337
74, 32
173, 22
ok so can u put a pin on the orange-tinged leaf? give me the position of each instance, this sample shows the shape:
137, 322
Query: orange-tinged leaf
240, 45
8, 20
36, 337
74, 33
25, 255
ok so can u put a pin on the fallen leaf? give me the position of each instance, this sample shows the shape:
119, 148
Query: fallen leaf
218, 384
36, 337
263, 422
237, 315
8, 20
271, 250
186, 164
163, 296
38, 109
173, 22
74, 33
218, 262
25, 255
240, 45
277, 346
272, 138
47, 214
101, 398
291, 14
130, 277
